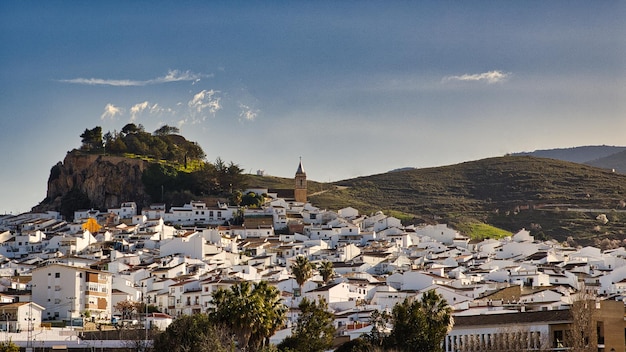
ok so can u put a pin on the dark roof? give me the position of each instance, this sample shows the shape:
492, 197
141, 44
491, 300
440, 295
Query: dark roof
300, 169
284, 193
325, 288
548, 316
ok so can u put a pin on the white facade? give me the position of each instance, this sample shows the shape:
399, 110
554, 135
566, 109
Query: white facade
67, 292
198, 213
126, 211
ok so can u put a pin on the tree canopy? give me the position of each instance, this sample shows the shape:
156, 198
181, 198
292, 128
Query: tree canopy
178, 172
254, 312
325, 269
92, 139
314, 330
420, 325
165, 130
9, 346
163, 144
302, 269
193, 333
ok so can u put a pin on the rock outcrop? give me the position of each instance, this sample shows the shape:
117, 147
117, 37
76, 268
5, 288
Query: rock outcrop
106, 180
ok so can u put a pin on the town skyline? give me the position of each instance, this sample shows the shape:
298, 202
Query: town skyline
353, 89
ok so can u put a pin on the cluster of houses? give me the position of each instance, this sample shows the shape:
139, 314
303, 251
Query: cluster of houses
174, 259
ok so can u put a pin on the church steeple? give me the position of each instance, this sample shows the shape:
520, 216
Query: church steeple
299, 191
300, 168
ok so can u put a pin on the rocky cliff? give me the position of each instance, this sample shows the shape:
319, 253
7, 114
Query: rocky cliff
106, 181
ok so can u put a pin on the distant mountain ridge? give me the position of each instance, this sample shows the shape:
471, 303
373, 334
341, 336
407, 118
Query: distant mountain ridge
602, 156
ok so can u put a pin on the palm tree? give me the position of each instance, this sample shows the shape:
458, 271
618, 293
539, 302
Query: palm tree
326, 270
253, 313
302, 269
438, 317
274, 312
234, 309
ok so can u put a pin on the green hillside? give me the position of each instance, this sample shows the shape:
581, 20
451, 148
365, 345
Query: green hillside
551, 198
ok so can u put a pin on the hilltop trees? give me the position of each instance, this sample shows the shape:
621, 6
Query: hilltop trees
178, 171
162, 144
92, 139
165, 130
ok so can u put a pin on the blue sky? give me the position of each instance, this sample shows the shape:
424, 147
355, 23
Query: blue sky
353, 87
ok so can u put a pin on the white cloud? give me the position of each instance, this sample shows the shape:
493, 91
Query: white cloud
157, 109
137, 109
171, 76
205, 100
102, 82
247, 113
110, 111
489, 77
177, 76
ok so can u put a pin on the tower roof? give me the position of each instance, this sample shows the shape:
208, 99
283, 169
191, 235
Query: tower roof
300, 168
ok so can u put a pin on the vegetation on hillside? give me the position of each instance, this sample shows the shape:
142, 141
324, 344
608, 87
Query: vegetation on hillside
178, 171
551, 198
163, 145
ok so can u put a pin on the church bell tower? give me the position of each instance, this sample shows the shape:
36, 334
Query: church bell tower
299, 191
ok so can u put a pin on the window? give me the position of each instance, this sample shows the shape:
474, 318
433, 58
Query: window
558, 338
57, 275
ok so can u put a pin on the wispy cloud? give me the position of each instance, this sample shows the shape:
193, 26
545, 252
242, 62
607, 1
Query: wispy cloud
489, 77
247, 113
171, 76
137, 109
110, 112
157, 109
148, 108
205, 100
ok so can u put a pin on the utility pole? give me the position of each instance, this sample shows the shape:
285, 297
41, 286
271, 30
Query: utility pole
70, 311
145, 321
29, 328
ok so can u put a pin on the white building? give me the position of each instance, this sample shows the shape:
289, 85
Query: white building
126, 211
198, 213
67, 292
